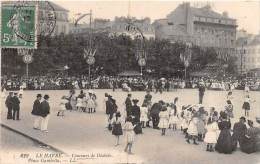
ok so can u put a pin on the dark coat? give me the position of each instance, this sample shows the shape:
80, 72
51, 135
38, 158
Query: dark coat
136, 114
239, 131
201, 89
147, 99
155, 109
45, 108
36, 108
225, 142
9, 102
128, 104
16, 103
111, 107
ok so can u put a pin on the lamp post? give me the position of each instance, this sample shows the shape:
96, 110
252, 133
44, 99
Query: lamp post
89, 53
27, 55
242, 52
186, 58
141, 53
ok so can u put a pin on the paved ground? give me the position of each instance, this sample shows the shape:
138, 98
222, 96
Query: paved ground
82, 133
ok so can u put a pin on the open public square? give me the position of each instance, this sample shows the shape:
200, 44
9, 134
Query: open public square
82, 133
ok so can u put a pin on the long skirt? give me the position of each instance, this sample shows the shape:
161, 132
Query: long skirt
224, 142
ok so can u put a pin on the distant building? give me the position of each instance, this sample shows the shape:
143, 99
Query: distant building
248, 53
200, 26
62, 20
119, 26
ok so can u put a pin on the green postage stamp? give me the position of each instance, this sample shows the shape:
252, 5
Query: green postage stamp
18, 26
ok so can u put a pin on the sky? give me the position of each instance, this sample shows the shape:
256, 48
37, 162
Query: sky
247, 12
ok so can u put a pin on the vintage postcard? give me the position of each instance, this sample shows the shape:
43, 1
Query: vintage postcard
130, 82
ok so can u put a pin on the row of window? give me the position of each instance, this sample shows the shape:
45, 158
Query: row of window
214, 31
215, 20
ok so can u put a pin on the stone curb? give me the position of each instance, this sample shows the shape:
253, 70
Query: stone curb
32, 138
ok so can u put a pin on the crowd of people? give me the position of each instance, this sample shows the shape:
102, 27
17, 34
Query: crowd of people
125, 83
197, 122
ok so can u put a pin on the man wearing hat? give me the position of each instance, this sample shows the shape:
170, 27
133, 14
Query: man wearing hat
201, 91
45, 113
9, 105
37, 111
239, 131
128, 105
16, 106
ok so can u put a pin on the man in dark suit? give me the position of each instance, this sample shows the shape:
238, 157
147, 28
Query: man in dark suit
128, 105
16, 106
37, 111
9, 105
155, 110
45, 113
201, 92
239, 131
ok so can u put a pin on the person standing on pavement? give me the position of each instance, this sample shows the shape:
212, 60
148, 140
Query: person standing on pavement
201, 92
9, 105
164, 120
155, 110
45, 113
16, 106
239, 131
128, 105
136, 113
36, 112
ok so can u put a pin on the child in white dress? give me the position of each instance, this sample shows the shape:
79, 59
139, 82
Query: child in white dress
62, 106
212, 133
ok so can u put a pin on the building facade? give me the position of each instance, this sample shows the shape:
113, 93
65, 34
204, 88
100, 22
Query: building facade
200, 26
248, 53
120, 25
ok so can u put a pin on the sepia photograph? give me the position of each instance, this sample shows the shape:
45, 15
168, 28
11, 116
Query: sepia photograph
130, 82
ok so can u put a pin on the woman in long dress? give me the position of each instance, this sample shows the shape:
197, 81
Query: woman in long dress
224, 142
251, 142
164, 120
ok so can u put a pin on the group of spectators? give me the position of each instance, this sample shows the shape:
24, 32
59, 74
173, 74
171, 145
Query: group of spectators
126, 83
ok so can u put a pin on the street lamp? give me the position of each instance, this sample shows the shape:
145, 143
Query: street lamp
141, 53
242, 52
186, 58
27, 55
